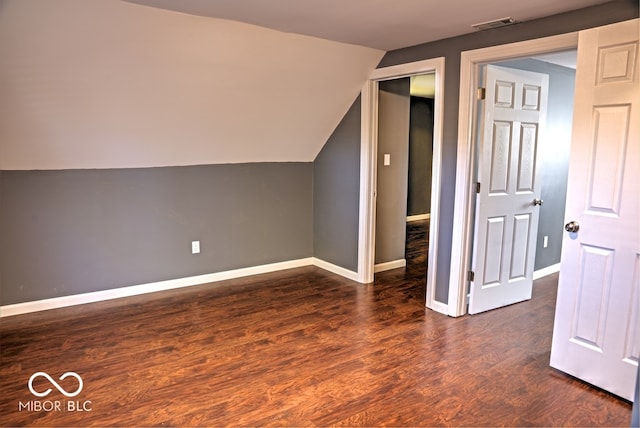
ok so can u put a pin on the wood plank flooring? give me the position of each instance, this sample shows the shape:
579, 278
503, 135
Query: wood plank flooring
417, 245
302, 347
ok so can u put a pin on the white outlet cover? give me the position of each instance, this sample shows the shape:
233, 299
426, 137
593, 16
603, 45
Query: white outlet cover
195, 247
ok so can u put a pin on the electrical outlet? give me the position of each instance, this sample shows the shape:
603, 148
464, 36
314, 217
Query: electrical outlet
195, 247
545, 241
387, 159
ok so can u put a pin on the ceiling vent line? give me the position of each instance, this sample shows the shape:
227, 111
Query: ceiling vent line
502, 22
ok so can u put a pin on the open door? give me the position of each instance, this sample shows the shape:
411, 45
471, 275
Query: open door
508, 194
596, 333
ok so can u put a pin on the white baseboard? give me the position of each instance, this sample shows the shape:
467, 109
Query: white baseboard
115, 293
134, 290
349, 274
381, 267
440, 307
546, 271
418, 217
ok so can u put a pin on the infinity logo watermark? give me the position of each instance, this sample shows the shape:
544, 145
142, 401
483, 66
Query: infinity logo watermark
54, 383
56, 405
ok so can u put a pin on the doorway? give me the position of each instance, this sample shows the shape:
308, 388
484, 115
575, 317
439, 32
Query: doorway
368, 170
392, 172
466, 160
535, 189
405, 157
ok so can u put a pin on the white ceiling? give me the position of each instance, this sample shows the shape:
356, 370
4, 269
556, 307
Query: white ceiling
378, 24
565, 59
112, 84
120, 84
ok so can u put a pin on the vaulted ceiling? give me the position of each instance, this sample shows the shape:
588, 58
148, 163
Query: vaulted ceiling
109, 84
378, 24
114, 84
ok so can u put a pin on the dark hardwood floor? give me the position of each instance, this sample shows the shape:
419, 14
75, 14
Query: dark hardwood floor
417, 244
302, 347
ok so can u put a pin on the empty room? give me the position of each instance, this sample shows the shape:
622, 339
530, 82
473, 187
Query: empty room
207, 213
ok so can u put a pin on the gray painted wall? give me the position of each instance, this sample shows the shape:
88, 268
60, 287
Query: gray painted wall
75, 231
336, 193
391, 192
66, 232
420, 156
450, 49
554, 156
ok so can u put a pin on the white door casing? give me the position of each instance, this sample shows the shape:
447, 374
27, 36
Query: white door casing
368, 170
508, 201
596, 331
463, 215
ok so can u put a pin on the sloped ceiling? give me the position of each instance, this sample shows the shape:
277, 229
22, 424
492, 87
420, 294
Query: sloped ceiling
112, 84
379, 24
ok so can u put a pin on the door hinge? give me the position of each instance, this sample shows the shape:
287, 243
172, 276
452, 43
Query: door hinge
471, 276
481, 94
478, 187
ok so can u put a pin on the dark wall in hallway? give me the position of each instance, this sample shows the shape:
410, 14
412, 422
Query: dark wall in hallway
420, 156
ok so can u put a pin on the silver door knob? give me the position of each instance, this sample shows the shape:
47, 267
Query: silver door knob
538, 202
572, 226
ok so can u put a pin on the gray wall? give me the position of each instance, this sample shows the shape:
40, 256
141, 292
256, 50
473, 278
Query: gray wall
420, 156
391, 191
73, 231
450, 49
554, 156
336, 193
76, 231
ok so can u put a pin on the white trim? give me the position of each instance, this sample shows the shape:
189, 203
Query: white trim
134, 290
368, 171
418, 217
349, 274
368, 176
406, 70
394, 264
440, 307
549, 270
463, 215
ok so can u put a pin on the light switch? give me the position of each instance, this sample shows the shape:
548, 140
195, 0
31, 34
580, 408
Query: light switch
387, 159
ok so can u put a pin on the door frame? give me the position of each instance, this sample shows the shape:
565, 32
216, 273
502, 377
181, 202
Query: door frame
368, 169
463, 213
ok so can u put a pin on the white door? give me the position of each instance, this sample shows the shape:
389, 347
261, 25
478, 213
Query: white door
508, 201
596, 333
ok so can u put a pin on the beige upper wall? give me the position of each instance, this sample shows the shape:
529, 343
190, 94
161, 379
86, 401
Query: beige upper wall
110, 84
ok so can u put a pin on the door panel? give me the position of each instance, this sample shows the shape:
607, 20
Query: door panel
593, 295
596, 334
506, 218
521, 230
526, 167
610, 128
